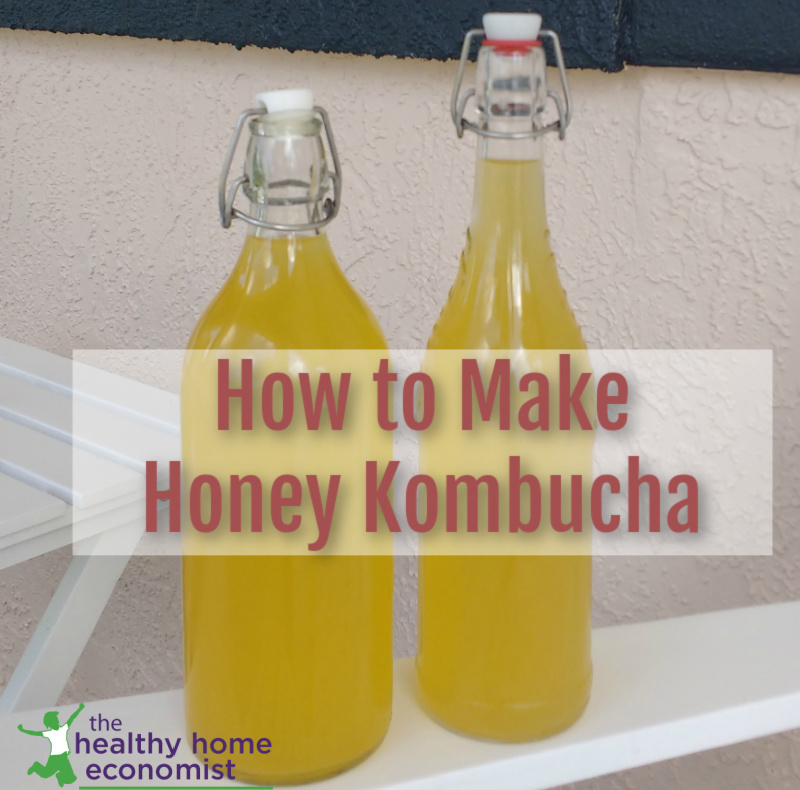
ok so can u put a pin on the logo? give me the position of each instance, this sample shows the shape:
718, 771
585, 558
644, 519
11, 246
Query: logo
58, 764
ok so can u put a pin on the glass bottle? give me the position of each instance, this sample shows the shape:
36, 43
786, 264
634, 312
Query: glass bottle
504, 641
294, 649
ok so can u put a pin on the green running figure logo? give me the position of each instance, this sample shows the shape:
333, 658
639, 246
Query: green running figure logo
58, 764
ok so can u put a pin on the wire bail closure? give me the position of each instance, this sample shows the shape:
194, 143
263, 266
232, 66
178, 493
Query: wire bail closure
458, 103
227, 195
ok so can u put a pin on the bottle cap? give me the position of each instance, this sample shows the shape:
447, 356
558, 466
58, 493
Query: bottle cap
286, 100
512, 27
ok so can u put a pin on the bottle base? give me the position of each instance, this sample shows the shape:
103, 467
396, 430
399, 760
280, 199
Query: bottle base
521, 724
301, 778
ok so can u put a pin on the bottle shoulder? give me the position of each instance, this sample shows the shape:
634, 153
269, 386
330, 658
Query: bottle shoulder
507, 295
287, 295
507, 292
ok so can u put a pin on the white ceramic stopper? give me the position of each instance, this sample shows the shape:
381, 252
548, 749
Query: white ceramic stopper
512, 27
281, 101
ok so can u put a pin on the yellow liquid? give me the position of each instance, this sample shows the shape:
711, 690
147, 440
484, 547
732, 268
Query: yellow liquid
293, 649
504, 648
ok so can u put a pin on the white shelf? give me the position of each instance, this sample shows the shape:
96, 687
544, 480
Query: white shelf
58, 465
662, 689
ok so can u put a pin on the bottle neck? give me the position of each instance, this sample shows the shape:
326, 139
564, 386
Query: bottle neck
287, 178
284, 215
523, 149
511, 92
509, 187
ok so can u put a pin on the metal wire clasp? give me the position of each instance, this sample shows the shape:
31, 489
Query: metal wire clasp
458, 103
227, 194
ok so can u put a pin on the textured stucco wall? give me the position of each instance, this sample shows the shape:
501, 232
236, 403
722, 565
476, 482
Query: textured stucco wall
675, 213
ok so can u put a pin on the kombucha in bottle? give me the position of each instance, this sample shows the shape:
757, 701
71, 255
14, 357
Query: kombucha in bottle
504, 641
295, 649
